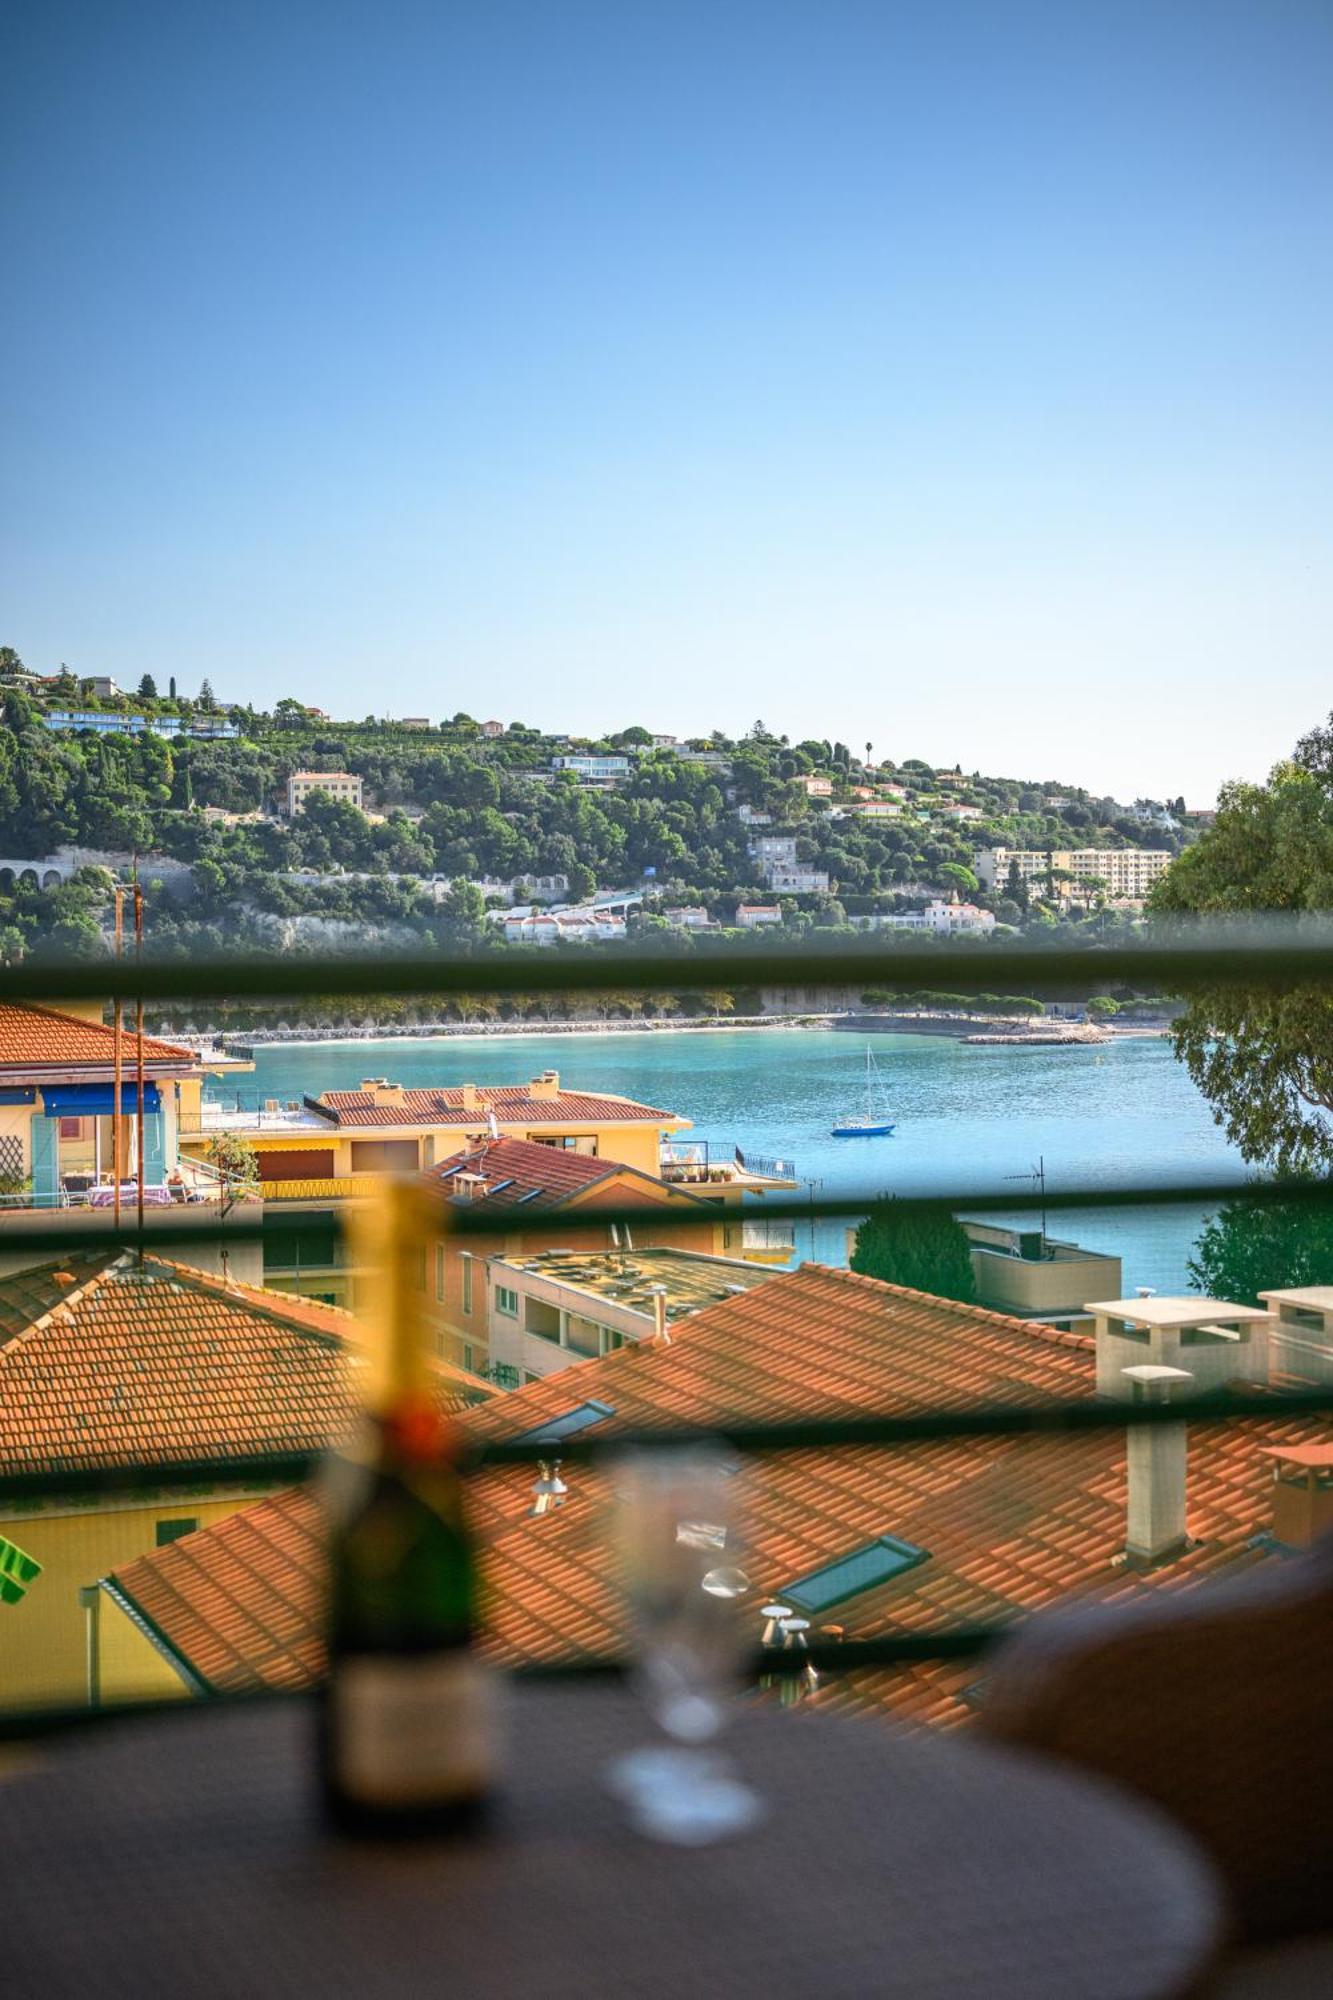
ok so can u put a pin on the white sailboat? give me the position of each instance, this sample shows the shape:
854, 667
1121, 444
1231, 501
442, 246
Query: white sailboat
874, 1125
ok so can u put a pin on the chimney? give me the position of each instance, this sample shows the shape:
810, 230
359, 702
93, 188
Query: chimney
546, 1085
471, 1097
1302, 1493
468, 1187
659, 1298
382, 1091
1156, 1457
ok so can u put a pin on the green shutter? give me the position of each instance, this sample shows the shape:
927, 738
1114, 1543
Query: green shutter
16, 1572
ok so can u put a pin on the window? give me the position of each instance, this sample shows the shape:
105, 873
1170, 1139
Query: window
559, 1428
467, 1282
467, 1357
571, 1142
506, 1301
71, 1128
439, 1271
384, 1156
611, 1339
419, 1268
171, 1531
863, 1569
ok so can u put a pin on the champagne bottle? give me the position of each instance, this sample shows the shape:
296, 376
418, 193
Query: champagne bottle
407, 1742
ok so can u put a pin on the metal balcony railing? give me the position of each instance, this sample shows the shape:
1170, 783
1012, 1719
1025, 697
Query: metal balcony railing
1246, 955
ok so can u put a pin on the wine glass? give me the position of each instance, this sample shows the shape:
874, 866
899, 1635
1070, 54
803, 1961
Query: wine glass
676, 1537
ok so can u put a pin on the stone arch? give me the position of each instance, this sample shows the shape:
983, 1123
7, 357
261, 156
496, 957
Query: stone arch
7, 880
52, 879
28, 879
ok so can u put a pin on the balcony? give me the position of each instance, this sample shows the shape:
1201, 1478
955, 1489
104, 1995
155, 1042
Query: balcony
703, 1165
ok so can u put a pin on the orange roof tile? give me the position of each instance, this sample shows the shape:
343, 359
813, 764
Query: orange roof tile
511, 1103
35, 1038
1009, 1524
521, 1172
125, 1364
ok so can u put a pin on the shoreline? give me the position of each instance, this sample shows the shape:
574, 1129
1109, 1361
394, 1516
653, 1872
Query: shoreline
996, 1031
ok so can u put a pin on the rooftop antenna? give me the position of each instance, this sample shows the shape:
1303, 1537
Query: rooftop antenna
1036, 1176
549, 1488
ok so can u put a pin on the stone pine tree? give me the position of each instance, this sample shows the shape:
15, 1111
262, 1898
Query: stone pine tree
147, 688
925, 1249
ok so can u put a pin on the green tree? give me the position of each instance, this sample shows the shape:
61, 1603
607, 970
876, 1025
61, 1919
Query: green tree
1264, 1059
208, 701
924, 1249
147, 688
464, 907
236, 1160
1254, 1246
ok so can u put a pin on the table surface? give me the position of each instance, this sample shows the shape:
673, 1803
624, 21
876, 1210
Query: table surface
185, 1856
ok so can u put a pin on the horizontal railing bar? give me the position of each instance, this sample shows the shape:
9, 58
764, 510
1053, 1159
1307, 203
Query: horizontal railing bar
986, 1420
827, 1656
62, 1229
993, 1420
1253, 955
777, 1208
163, 1228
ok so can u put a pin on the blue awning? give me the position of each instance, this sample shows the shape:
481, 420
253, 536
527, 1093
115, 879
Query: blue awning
95, 1100
18, 1093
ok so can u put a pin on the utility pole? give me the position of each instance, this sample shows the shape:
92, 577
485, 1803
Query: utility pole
118, 1017
138, 1046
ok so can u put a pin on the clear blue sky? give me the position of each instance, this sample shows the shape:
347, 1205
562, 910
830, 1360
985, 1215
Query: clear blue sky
953, 376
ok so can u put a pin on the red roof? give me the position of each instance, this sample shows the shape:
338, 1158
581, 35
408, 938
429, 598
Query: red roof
519, 1172
104, 1362
512, 1103
1009, 1525
35, 1038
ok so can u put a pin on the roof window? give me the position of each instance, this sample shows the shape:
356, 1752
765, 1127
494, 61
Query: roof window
581, 1418
864, 1569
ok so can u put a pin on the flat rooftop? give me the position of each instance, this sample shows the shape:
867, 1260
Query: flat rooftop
691, 1278
1175, 1312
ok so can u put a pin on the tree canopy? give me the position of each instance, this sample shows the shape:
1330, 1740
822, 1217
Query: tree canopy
1250, 1246
1264, 1058
924, 1249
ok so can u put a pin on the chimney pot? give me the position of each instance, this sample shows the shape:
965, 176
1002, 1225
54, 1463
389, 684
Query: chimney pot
1156, 1459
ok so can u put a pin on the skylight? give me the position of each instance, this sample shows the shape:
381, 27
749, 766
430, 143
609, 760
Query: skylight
559, 1428
865, 1568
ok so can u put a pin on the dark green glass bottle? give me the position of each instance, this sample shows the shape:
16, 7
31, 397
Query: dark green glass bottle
407, 1738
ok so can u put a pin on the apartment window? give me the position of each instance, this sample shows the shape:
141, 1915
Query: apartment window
572, 1142
467, 1357
439, 1271
384, 1156
467, 1282
863, 1569
506, 1301
171, 1531
611, 1339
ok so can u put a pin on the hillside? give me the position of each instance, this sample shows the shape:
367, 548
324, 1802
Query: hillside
497, 815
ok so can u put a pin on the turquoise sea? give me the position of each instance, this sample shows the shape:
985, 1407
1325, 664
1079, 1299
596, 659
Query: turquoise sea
975, 1118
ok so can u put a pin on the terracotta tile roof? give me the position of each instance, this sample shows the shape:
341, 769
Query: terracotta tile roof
1009, 1524
519, 1171
104, 1363
511, 1103
39, 1037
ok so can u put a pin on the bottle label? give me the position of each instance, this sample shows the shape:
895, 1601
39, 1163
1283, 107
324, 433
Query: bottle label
413, 1731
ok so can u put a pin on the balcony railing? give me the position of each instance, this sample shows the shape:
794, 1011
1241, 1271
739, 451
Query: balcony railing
1247, 960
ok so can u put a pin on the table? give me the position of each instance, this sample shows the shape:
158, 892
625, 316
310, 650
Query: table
183, 1856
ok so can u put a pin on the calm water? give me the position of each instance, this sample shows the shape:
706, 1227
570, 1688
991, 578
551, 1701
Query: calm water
966, 1117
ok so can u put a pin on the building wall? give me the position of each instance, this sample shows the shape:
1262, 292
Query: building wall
1053, 1285
43, 1638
